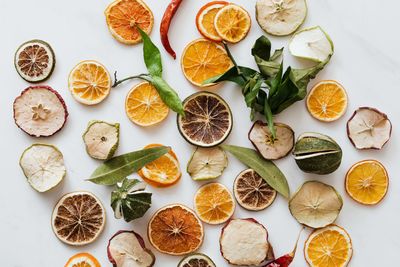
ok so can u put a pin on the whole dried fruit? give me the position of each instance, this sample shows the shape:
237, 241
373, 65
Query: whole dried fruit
207, 163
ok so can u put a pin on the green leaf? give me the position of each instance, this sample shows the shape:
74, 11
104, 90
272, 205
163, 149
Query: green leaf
151, 54
232, 75
262, 48
168, 94
116, 169
261, 51
265, 168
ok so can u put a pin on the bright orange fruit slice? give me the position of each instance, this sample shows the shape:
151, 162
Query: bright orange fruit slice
144, 106
328, 247
82, 260
214, 203
175, 230
205, 19
124, 16
232, 23
327, 101
164, 171
89, 82
203, 59
367, 182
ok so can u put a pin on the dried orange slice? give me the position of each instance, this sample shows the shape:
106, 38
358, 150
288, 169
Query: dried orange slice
164, 171
82, 260
144, 106
205, 19
124, 16
89, 82
78, 218
328, 247
232, 23
214, 203
367, 182
175, 230
203, 59
327, 101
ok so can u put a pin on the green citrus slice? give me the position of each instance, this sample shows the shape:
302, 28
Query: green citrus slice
207, 163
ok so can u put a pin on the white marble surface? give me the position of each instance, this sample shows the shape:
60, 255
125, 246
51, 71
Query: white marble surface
366, 62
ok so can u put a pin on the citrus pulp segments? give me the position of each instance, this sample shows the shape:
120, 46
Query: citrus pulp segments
207, 163
232, 23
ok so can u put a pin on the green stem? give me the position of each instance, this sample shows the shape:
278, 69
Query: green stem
233, 60
269, 117
140, 76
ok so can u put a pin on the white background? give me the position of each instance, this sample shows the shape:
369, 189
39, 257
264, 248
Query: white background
366, 62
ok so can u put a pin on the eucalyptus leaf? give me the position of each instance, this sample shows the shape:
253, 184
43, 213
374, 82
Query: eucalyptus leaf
151, 55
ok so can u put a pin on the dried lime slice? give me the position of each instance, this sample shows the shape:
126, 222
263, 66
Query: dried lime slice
207, 163
316, 204
35, 61
196, 260
43, 166
281, 17
101, 139
312, 43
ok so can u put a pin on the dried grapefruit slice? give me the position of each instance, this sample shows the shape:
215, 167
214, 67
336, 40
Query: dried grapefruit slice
78, 218
83, 260
205, 19
123, 16
175, 230
232, 23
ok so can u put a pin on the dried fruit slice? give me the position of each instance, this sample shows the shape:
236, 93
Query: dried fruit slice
367, 182
327, 101
203, 59
35, 61
311, 43
196, 260
78, 218
252, 192
89, 82
43, 166
369, 128
244, 242
207, 163
40, 111
328, 247
175, 230
282, 17
214, 203
82, 260
232, 23
144, 106
208, 120
123, 16
316, 204
205, 19
101, 139
127, 248
269, 147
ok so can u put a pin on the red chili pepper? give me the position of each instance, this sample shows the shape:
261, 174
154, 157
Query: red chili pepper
166, 22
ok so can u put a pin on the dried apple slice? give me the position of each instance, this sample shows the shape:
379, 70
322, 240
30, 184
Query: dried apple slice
207, 163
369, 128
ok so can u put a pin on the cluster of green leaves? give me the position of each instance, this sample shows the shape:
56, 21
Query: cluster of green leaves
269, 90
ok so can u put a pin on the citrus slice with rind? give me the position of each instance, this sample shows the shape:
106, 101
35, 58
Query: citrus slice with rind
367, 182
43, 166
205, 19
232, 23
89, 82
208, 119
144, 106
327, 101
175, 230
328, 247
78, 218
203, 59
207, 163
82, 260
196, 260
124, 16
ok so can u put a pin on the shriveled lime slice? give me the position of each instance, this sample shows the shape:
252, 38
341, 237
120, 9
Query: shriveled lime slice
281, 17
101, 139
311, 43
316, 204
43, 166
207, 163
196, 260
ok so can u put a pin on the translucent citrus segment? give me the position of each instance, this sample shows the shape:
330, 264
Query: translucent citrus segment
328, 247
124, 16
214, 203
89, 82
205, 19
203, 59
82, 260
367, 182
232, 23
144, 106
327, 101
